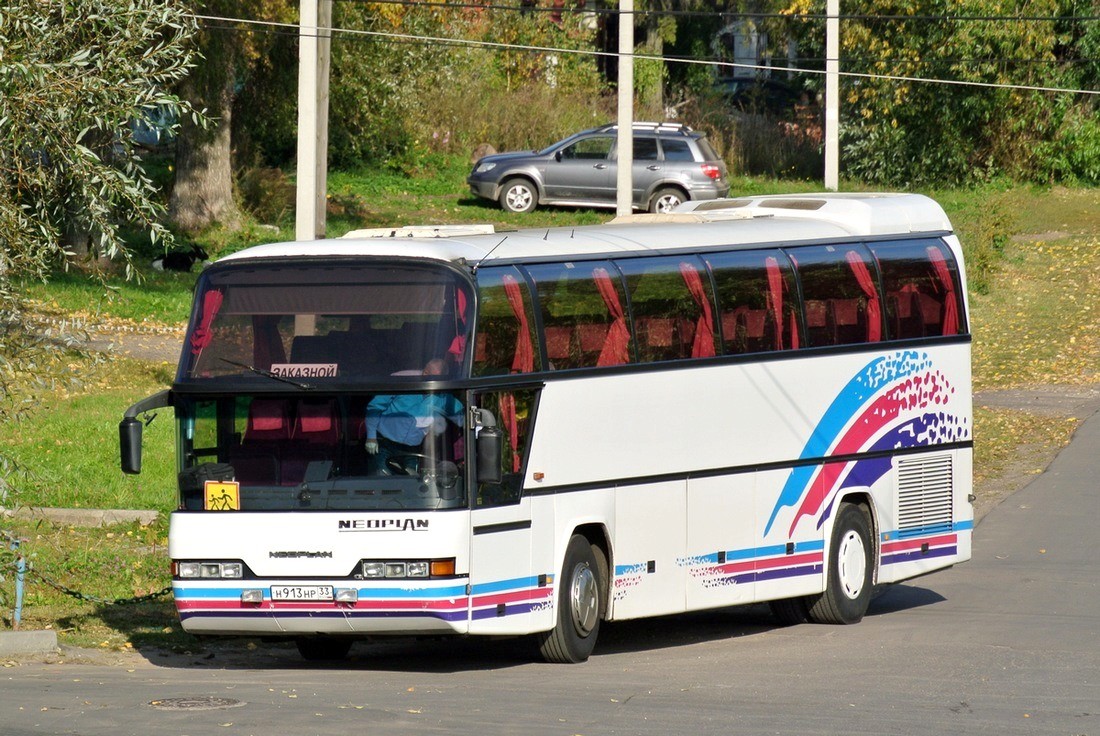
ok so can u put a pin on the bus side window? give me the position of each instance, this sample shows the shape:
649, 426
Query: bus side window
839, 281
515, 413
583, 311
921, 283
673, 307
505, 340
757, 301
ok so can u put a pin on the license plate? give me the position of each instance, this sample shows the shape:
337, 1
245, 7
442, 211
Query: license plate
301, 593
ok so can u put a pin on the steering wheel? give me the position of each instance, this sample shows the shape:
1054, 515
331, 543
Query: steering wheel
400, 464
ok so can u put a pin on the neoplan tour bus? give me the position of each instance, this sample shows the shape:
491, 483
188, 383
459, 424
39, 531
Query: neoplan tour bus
533, 432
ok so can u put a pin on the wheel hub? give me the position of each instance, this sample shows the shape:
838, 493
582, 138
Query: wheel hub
584, 599
852, 564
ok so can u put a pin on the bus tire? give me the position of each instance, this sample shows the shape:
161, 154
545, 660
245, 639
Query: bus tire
580, 601
849, 577
323, 648
791, 611
518, 195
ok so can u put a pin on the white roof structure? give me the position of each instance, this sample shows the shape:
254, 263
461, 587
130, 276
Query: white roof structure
779, 219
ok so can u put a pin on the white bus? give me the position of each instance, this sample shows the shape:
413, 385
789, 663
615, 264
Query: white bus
533, 432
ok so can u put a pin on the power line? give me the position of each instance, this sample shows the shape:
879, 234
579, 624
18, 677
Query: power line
583, 10
468, 43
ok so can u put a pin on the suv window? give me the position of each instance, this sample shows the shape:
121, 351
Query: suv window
645, 149
595, 148
709, 154
676, 150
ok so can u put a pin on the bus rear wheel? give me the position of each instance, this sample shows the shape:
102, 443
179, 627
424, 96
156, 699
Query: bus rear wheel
849, 577
580, 602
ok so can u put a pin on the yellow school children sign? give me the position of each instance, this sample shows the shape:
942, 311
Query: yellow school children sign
222, 495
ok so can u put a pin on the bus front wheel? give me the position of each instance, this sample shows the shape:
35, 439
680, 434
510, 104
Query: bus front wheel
579, 604
323, 648
849, 577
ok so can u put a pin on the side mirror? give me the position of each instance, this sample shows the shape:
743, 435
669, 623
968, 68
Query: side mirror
130, 428
490, 447
557, 155
129, 444
490, 441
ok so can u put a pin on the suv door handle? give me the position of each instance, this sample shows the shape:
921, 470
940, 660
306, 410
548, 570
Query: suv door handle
653, 167
599, 166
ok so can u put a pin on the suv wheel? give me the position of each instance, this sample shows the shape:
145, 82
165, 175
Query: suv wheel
665, 200
518, 195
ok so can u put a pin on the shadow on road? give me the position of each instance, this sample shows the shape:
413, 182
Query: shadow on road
469, 654
903, 598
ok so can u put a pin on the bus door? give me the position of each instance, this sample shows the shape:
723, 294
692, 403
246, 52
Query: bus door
505, 592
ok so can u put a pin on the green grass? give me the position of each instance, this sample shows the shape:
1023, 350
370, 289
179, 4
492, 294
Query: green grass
1035, 313
66, 451
159, 298
111, 565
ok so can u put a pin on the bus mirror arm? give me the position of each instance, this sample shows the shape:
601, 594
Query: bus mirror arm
130, 428
489, 446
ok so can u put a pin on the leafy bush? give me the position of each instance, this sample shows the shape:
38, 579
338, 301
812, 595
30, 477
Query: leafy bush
1074, 154
396, 102
760, 144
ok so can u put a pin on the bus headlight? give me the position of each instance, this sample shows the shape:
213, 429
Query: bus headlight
208, 570
407, 569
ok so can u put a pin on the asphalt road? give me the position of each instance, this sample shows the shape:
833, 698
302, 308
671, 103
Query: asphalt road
1008, 643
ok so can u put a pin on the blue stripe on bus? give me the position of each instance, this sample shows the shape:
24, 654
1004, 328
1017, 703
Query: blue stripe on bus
958, 526
499, 585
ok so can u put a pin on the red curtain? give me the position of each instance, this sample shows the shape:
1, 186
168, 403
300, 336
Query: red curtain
200, 338
874, 310
703, 346
458, 345
524, 360
616, 350
511, 423
950, 304
775, 297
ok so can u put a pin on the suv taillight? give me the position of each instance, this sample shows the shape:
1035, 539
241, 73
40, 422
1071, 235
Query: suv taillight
712, 171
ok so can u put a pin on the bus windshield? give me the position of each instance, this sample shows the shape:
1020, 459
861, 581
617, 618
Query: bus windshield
325, 322
312, 452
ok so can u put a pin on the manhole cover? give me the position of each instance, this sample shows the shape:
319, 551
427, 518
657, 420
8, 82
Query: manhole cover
198, 703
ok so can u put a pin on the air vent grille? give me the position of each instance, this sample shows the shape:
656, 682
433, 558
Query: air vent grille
924, 495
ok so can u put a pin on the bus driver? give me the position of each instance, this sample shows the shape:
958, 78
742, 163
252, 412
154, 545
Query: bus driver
399, 424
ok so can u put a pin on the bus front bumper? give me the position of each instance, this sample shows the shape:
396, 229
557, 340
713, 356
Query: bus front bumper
247, 608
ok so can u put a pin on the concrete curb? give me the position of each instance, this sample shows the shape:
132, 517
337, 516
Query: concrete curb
27, 642
82, 517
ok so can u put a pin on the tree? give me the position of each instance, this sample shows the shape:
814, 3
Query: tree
897, 132
74, 75
203, 190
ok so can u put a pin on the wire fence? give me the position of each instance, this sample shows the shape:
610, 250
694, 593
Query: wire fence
14, 562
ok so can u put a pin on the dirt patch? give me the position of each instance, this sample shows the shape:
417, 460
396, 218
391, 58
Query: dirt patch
157, 347
1078, 402
1039, 237
1073, 403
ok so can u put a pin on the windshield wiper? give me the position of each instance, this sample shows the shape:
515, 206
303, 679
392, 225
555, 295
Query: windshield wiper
269, 374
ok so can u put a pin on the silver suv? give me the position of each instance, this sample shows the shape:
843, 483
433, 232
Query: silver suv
672, 164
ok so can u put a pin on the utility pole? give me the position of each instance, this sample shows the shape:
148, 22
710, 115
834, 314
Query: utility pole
314, 41
832, 94
624, 183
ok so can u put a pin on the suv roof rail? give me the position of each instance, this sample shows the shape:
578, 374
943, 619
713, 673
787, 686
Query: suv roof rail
655, 127
422, 231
